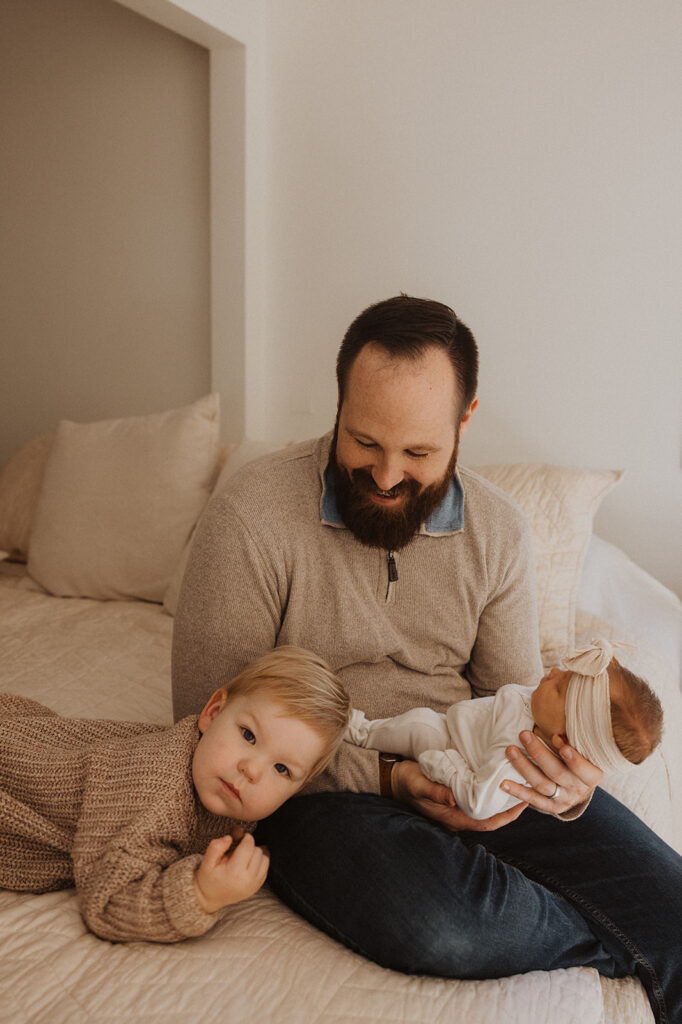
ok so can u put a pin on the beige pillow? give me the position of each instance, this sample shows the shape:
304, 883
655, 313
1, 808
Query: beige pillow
20, 482
120, 499
560, 504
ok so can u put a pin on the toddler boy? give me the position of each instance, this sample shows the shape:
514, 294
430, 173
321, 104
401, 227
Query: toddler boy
141, 818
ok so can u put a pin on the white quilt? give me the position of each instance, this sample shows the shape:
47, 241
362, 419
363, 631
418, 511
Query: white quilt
262, 963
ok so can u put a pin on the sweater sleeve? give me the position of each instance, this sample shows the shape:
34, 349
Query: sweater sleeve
140, 836
13, 706
229, 610
507, 648
126, 897
353, 769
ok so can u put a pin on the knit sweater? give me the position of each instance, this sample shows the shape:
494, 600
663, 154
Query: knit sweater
266, 568
110, 807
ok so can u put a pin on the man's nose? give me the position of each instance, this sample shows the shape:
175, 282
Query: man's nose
387, 472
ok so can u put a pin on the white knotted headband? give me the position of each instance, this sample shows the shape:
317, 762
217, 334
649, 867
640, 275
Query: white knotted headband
588, 705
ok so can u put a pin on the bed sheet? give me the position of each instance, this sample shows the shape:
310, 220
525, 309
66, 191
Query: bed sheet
99, 659
263, 963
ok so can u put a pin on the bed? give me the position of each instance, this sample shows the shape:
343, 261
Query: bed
95, 524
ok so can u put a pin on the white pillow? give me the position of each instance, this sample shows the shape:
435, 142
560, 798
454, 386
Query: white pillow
560, 504
119, 500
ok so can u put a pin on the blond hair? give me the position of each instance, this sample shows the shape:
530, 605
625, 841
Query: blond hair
305, 688
637, 720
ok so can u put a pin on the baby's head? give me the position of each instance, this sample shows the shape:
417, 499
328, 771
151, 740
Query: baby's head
610, 715
267, 733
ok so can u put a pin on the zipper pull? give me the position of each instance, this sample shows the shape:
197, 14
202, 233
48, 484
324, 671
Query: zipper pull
392, 568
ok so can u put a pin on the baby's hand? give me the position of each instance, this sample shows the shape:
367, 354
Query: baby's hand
220, 880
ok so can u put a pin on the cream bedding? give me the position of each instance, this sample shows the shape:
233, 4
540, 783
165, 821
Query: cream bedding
262, 963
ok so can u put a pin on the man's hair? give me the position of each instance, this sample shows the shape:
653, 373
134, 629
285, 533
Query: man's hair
405, 327
637, 720
305, 688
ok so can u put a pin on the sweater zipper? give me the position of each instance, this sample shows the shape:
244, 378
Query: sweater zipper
392, 573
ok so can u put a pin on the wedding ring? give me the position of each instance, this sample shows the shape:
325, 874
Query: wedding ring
556, 792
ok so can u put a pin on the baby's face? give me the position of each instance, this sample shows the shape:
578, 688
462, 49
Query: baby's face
251, 756
548, 704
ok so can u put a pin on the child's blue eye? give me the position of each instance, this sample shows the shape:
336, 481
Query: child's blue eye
248, 735
281, 769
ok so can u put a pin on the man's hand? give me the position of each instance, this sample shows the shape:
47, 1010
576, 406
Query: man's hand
410, 786
220, 880
575, 776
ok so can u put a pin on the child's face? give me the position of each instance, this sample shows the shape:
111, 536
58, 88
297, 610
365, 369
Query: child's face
548, 704
251, 756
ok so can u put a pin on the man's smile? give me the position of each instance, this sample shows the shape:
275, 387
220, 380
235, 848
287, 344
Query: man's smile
386, 497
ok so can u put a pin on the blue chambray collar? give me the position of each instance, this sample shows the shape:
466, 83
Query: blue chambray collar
447, 518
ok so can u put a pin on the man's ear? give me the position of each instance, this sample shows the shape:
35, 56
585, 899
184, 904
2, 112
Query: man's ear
466, 418
213, 707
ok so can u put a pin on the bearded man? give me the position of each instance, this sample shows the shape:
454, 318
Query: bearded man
414, 579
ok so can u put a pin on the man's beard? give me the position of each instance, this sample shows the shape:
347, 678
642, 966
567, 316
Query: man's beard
375, 525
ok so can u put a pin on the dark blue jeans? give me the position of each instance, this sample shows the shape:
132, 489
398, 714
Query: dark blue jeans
602, 891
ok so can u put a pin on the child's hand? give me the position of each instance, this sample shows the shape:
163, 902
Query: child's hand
220, 880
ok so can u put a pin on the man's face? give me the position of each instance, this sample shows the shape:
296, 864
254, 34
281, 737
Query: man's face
395, 443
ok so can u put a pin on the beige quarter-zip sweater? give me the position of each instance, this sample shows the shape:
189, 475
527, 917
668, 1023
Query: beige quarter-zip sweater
272, 563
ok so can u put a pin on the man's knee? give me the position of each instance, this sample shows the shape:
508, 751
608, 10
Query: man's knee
435, 942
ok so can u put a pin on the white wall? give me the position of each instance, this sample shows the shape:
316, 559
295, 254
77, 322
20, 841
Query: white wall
521, 162
104, 198
234, 32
